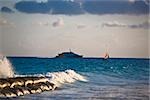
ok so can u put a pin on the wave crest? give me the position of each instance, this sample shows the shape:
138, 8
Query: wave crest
68, 76
60, 78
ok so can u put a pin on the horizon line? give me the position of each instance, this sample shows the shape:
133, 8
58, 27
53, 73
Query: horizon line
78, 58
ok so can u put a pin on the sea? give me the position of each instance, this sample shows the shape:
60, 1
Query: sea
111, 79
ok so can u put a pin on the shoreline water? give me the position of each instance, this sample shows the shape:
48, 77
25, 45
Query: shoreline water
107, 79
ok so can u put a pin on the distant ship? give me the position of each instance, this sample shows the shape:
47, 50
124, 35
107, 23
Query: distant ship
68, 55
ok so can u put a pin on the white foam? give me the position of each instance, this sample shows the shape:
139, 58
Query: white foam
60, 78
6, 69
68, 76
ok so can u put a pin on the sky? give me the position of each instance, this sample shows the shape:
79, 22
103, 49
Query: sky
44, 28
0, 45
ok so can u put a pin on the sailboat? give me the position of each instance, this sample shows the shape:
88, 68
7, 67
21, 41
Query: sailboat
106, 55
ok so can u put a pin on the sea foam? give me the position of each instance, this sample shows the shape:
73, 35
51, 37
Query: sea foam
29, 84
60, 78
68, 76
6, 69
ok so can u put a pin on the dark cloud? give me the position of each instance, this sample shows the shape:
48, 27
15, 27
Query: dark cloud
144, 25
53, 7
73, 7
115, 7
6, 9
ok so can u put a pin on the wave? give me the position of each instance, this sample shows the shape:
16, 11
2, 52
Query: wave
20, 85
60, 78
12, 85
68, 76
6, 69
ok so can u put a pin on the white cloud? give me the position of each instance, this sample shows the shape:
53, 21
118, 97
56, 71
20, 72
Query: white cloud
132, 1
113, 24
43, 23
41, 1
70, 0
144, 25
59, 22
80, 26
4, 22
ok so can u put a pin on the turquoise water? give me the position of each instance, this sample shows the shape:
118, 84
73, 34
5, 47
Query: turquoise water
107, 79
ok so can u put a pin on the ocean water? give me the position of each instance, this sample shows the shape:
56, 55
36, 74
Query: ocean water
112, 79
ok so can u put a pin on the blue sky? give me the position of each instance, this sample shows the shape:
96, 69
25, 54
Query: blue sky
47, 27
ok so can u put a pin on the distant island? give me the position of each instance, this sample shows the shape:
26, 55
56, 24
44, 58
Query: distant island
68, 55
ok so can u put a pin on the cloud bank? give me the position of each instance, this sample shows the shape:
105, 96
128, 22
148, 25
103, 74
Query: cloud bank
76, 7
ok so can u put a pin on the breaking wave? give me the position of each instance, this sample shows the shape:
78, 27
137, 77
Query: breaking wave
68, 76
6, 69
17, 85
60, 78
